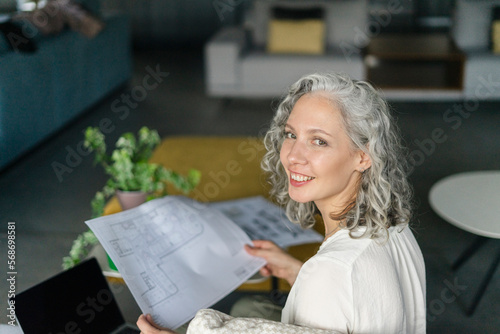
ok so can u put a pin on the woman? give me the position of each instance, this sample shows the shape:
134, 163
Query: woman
333, 149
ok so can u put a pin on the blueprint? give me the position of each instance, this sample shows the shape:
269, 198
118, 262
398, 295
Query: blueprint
176, 256
261, 219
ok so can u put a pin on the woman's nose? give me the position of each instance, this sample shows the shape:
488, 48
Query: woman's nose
297, 153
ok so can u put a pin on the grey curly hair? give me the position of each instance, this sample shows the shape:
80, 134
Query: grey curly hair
383, 197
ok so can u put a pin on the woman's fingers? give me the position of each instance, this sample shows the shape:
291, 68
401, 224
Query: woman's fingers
265, 244
147, 326
262, 248
255, 251
264, 271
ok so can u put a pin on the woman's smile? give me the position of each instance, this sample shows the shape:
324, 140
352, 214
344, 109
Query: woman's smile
298, 180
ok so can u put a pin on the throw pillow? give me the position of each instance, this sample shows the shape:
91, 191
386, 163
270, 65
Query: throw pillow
47, 19
295, 30
80, 19
495, 30
53, 17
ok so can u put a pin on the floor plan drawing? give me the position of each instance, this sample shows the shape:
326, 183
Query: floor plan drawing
151, 237
177, 255
160, 232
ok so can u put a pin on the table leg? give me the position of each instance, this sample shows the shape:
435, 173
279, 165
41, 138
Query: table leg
484, 284
277, 296
474, 247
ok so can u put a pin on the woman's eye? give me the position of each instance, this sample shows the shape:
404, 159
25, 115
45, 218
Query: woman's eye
289, 135
319, 142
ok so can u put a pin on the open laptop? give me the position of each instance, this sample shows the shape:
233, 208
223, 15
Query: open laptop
77, 300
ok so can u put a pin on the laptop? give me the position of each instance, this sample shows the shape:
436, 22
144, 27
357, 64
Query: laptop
77, 300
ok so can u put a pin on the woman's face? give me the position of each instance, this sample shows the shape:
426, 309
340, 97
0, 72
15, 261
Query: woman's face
319, 159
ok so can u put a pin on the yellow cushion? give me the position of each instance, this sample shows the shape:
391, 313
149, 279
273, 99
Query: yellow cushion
296, 36
495, 35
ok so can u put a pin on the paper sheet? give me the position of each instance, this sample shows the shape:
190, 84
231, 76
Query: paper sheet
261, 219
176, 256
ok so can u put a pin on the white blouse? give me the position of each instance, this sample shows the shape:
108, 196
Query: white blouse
361, 286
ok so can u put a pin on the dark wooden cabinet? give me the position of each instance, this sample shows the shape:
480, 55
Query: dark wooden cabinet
411, 61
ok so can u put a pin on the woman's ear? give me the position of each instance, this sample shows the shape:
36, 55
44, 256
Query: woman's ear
364, 161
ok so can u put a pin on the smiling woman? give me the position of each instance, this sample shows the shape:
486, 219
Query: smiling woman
333, 149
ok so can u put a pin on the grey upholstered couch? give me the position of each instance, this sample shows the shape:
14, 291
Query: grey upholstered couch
238, 65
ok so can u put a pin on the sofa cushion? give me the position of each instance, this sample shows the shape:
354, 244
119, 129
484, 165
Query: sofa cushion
341, 18
481, 76
472, 24
263, 74
495, 30
222, 57
58, 14
296, 36
296, 30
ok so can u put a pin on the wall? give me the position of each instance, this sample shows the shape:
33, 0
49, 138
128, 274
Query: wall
7, 6
176, 22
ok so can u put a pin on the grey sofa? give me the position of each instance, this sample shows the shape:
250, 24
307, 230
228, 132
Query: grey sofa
237, 63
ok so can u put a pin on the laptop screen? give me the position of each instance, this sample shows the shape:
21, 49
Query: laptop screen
76, 301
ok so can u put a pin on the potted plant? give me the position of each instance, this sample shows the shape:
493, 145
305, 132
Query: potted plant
130, 170
131, 175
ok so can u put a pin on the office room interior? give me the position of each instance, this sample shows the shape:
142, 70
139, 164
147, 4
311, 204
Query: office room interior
218, 68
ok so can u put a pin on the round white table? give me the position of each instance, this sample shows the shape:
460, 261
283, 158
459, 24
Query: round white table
471, 202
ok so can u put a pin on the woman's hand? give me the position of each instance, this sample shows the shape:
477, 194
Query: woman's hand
147, 326
279, 263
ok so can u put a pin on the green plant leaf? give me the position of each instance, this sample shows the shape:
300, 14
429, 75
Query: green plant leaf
94, 141
148, 140
127, 144
97, 204
80, 249
194, 177
122, 170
